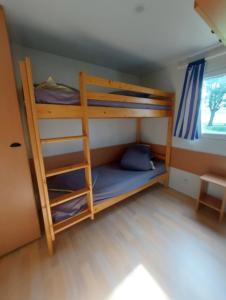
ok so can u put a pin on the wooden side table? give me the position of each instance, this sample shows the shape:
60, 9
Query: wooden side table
207, 200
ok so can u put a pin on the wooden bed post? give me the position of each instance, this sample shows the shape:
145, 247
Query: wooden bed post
168, 148
85, 130
138, 130
25, 69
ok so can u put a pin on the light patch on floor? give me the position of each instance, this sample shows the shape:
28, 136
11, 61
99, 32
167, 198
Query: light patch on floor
139, 284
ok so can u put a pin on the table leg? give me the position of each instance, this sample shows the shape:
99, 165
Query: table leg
203, 190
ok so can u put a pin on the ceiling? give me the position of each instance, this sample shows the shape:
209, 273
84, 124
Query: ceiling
127, 35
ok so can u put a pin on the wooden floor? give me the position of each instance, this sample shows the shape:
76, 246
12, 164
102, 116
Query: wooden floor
153, 246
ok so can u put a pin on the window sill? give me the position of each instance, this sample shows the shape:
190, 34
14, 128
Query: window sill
214, 136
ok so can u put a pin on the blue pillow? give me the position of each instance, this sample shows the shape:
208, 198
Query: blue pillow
137, 157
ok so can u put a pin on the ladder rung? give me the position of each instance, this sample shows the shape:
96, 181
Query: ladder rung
66, 169
62, 139
60, 226
67, 197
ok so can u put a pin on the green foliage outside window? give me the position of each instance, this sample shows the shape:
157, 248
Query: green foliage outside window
214, 105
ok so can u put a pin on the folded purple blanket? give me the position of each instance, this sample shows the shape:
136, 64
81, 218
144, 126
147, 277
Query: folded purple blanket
50, 96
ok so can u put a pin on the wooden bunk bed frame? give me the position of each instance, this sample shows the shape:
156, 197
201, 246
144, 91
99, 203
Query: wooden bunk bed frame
84, 112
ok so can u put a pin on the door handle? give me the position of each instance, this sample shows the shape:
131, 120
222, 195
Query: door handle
15, 145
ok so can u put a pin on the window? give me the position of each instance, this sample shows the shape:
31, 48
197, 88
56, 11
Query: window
213, 106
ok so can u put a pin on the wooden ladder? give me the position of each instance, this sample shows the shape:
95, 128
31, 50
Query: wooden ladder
51, 229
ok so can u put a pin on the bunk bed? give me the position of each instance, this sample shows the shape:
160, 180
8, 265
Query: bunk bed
92, 196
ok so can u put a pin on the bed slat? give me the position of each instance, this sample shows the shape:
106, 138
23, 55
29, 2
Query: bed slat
97, 81
66, 169
54, 111
127, 99
63, 139
67, 197
60, 226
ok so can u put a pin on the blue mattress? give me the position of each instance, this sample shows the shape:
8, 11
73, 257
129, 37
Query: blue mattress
108, 181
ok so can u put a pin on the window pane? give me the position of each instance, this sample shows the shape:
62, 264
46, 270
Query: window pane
213, 106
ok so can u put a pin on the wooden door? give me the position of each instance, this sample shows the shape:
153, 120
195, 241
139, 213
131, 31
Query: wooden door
18, 216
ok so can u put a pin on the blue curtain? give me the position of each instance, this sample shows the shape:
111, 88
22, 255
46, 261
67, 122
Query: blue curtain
188, 117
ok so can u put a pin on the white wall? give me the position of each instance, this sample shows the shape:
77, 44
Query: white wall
154, 130
65, 70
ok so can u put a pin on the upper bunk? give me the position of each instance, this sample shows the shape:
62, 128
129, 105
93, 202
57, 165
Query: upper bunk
123, 101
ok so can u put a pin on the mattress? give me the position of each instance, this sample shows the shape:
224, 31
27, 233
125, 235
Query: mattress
108, 181
48, 96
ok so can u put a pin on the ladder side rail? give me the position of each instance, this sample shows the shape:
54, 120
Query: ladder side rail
85, 129
38, 142
25, 69
169, 141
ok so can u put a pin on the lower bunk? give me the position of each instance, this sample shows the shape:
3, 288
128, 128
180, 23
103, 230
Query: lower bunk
111, 184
